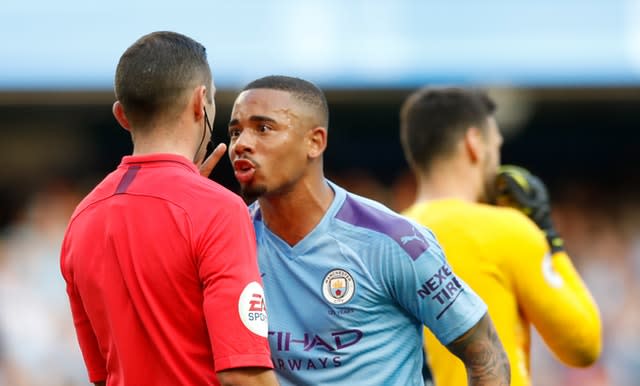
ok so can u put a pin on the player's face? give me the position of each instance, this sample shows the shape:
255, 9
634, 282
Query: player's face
491, 161
267, 146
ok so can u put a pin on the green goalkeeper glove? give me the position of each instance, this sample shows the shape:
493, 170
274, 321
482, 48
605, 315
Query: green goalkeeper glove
516, 187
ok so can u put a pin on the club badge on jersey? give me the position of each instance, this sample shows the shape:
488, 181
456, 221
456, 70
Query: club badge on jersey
338, 286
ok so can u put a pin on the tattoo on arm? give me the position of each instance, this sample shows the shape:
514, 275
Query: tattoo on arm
483, 356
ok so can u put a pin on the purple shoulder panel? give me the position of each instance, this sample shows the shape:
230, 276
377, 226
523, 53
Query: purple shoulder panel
395, 226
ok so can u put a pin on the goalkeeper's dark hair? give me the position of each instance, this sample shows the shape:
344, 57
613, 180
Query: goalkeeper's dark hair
301, 89
433, 120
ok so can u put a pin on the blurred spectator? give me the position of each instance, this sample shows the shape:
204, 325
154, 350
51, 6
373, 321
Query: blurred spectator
403, 191
362, 183
39, 344
603, 238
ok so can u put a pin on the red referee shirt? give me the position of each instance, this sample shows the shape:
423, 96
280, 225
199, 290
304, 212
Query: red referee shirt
161, 273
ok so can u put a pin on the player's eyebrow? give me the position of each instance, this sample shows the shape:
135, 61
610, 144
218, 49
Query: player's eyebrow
253, 118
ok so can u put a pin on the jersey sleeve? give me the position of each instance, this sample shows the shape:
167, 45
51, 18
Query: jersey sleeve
234, 306
553, 296
428, 289
93, 359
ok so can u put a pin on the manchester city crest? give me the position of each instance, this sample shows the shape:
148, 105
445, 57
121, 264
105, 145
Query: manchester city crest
338, 286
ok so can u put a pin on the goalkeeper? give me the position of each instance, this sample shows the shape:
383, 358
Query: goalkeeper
511, 256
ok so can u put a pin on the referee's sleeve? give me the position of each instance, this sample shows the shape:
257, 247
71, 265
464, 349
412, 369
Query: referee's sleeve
234, 307
94, 362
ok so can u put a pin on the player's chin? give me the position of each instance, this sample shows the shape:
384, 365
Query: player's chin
251, 192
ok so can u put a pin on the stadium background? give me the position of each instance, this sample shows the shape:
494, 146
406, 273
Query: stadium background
566, 78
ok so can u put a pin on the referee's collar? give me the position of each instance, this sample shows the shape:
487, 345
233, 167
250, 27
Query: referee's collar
129, 160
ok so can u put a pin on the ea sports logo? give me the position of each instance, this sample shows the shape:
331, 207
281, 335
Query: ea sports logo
338, 286
253, 310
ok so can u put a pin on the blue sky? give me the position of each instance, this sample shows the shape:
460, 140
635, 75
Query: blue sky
73, 44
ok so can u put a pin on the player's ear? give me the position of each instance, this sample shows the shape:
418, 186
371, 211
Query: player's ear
474, 144
316, 141
118, 113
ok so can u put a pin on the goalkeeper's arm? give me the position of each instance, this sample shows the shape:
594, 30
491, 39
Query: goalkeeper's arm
563, 312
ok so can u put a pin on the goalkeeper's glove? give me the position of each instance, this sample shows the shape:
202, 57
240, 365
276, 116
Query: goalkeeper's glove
518, 188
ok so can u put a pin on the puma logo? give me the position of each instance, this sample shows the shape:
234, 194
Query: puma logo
406, 239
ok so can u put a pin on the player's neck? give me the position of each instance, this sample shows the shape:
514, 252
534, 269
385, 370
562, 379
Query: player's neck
292, 215
448, 182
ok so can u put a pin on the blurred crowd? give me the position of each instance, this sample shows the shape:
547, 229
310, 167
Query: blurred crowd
37, 339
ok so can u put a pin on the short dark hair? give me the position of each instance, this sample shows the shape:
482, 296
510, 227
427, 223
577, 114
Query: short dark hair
154, 73
433, 120
303, 90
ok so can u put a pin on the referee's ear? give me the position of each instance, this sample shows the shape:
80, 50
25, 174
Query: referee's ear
199, 102
118, 112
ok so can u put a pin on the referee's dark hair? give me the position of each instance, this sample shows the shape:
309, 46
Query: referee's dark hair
155, 73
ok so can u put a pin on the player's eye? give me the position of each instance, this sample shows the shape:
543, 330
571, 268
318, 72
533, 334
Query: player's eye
234, 132
263, 128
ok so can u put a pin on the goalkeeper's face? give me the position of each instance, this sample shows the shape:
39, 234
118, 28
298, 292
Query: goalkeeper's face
491, 161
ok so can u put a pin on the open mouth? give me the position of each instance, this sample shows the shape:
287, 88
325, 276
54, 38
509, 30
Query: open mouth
243, 170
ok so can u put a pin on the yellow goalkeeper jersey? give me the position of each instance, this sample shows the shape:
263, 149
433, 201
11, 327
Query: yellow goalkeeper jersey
505, 258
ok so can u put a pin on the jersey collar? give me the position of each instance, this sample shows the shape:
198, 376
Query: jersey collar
158, 158
323, 227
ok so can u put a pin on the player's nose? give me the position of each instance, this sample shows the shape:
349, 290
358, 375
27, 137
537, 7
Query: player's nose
243, 143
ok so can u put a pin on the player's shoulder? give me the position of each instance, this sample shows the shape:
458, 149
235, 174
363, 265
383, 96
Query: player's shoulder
191, 189
506, 219
382, 225
512, 228
459, 214
221, 199
220, 192
196, 196
363, 212
472, 213
103, 190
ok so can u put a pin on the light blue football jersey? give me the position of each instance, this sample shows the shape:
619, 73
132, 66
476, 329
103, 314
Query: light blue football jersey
347, 303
